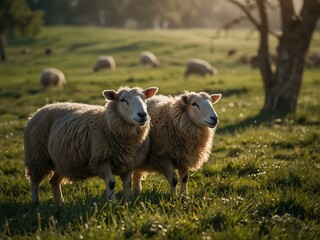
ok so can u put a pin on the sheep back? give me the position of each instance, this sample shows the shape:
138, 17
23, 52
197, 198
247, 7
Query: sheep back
52, 77
104, 62
149, 58
199, 66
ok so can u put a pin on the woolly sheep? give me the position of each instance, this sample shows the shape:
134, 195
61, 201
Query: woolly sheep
76, 141
104, 62
149, 58
52, 77
181, 137
200, 67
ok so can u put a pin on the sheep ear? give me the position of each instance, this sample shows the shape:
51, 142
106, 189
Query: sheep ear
215, 98
110, 94
150, 92
185, 99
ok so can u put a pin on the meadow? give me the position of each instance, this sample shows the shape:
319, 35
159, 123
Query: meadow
262, 180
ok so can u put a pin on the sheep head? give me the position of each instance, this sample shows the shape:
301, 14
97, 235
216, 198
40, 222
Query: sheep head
131, 103
200, 110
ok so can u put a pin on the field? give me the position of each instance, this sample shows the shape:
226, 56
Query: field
262, 180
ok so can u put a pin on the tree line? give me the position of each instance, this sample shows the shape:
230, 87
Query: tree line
130, 13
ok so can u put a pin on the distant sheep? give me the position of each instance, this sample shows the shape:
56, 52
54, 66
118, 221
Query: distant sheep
52, 77
148, 58
104, 62
48, 51
200, 67
232, 52
77, 141
181, 137
26, 50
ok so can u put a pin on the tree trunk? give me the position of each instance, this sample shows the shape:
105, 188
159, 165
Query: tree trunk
3, 56
282, 88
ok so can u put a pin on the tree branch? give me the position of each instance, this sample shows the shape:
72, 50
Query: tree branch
247, 13
228, 25
287, 12
248, 16
263, 56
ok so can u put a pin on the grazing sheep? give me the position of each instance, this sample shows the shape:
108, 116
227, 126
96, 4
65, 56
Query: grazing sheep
52, 77
200, 67
232, 52
48, 51
76, 141
104, 62
181, 136
26, 50
149, 58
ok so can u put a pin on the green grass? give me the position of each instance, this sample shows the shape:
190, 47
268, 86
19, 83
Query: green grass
262, 180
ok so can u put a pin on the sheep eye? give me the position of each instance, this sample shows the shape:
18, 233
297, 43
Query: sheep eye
123, 100
195, 105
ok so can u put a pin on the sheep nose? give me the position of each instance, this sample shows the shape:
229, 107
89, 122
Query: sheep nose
215, 120
142, 114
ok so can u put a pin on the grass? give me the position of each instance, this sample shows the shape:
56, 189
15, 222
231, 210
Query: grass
262, 180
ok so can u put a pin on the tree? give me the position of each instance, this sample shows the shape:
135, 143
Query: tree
282, 85
16, 17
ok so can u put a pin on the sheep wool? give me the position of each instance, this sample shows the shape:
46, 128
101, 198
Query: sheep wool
199, 67
148, 58
52, 77
104, 62
76, 141
181, 136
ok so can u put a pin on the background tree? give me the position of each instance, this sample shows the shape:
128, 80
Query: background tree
282, 85
16, 17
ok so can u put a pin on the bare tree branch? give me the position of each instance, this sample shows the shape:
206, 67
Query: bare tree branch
246, 9
228, 25
247, 12
271, 5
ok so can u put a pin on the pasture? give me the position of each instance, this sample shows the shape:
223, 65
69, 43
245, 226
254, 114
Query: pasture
262, 180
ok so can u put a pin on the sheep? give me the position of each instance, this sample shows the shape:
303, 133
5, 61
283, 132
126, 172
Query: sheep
149, 58
73, 141
104, 62
231, 52
52, 77
181, 137
26, 50
48, 51
200, 67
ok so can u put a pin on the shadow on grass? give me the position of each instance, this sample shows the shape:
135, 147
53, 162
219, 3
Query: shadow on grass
21, 219
263, 118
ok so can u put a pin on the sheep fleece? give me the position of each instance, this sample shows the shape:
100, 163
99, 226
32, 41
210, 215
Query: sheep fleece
75, 139
173, 136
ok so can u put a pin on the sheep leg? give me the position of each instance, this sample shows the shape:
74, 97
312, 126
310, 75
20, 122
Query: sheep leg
55, 181
137, 186
34, 191
106, 174
184, 176
126, 183
167, 169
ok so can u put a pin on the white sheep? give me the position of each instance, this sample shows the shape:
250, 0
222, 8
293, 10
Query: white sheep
181, 137
148, 58
104, 62
200, 67
52, 77
76, 141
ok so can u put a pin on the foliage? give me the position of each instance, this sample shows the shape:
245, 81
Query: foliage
262, 178
144, 13
16, 16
